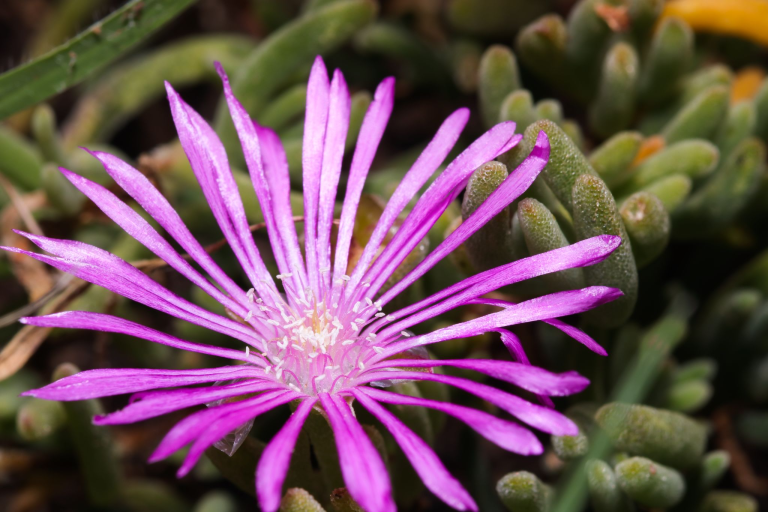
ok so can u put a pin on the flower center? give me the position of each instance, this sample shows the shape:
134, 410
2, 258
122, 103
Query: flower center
316, 345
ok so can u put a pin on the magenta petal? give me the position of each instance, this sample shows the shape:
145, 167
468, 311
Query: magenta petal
363, 470
424, 460
152, 404
228, 421
577, 334
506, 434
141, 230
512, 342
445, 189
333, 154
143, 192
109, 323
209, 162
371, 132
541, 308
315, 120
513, 186
586, 252
286, 253
534, 415
278, 176
110, 382
105, 269
276, 457
194, 425
429, 160
534, 379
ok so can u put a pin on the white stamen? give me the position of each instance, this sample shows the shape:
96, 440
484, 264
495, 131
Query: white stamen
347, 342
378, 350
247, 351
248, 316
405, 333
361, 365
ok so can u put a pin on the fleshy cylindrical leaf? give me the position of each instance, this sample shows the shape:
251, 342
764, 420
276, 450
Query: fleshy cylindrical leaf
699, 118
518, 107
668, 59
648, 226
595, 213
671, 191
604, 491
498, 76
650, 483
549, 109
566, 161
613, 158
490, 246
694, 158
725, 194
614, 105
523, 492
739, 124
93, 444
728, 501
38, 419
299, 500
541, 46
664, 436
542, 233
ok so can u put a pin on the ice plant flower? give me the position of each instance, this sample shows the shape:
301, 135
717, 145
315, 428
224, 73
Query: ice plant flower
321, 334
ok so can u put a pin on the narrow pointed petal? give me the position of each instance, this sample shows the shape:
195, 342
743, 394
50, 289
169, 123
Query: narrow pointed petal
513, 186
371, 132
108, 323
315, 121
363, 470
228, 421
133, 224
278, 176
586, 252
209, 162
577, 334
110, 382
152, 404
541, 308
512, 342
422, 458
531, 378
143, 192
105, 269
429, 160
276, 457
191, 427
445, 188
252, 149
333, 154
506, 434
534, 415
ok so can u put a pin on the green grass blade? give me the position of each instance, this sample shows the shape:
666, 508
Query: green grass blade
72, 62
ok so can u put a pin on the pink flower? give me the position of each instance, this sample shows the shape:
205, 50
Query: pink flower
328, 336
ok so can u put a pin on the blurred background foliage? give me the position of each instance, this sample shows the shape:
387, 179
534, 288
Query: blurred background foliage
658, 117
